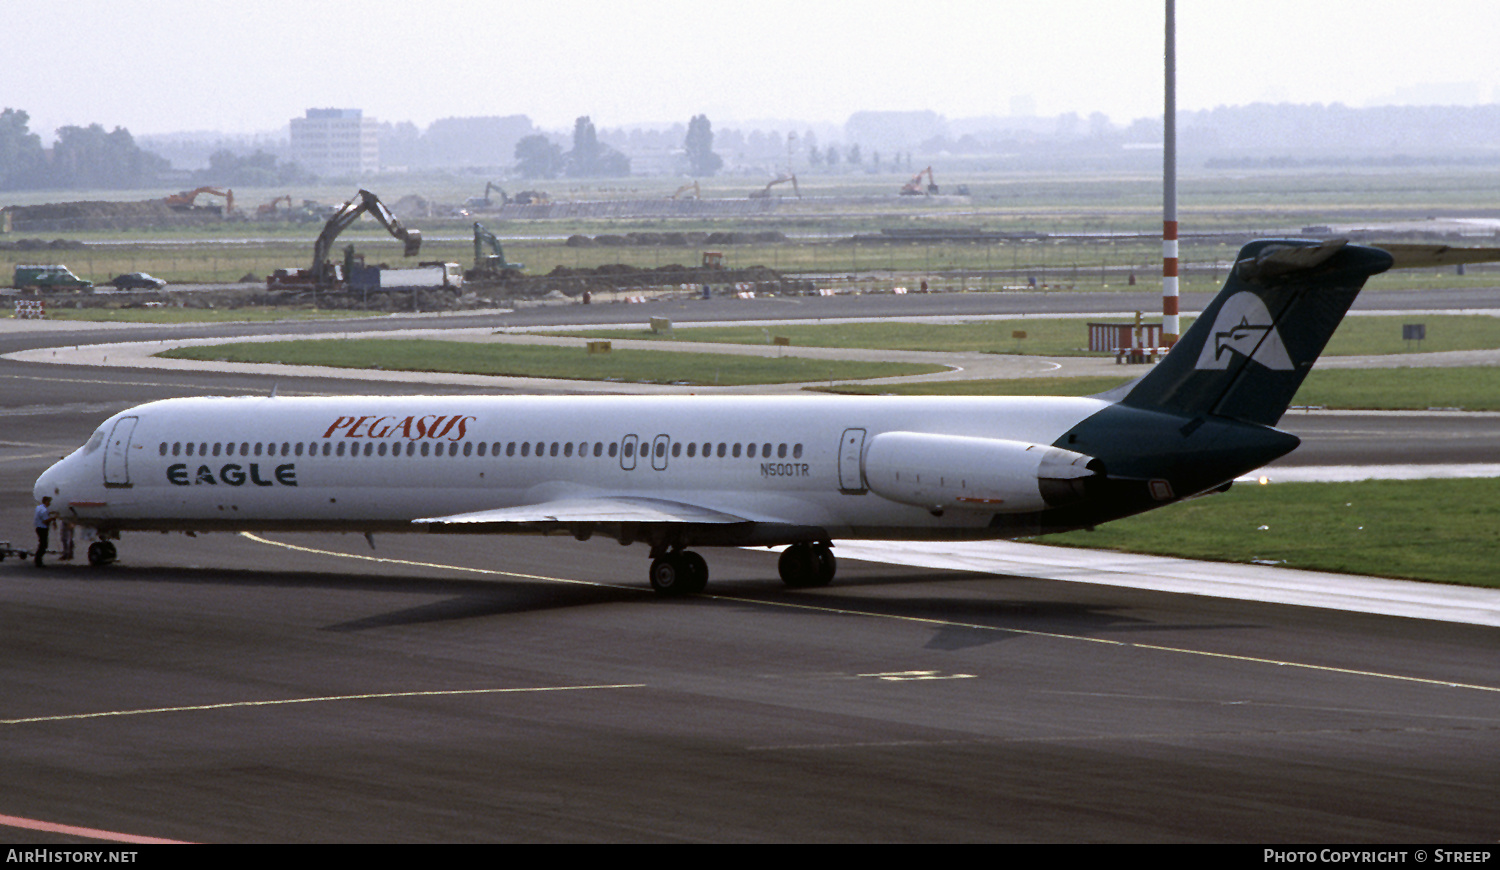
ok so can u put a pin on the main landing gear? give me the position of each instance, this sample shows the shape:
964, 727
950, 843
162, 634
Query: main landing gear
804, 566
681, 572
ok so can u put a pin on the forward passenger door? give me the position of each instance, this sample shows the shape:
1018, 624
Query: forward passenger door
117, 452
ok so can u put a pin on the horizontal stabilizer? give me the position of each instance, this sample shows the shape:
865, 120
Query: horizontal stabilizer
1275, 261
1423, 256
603, 509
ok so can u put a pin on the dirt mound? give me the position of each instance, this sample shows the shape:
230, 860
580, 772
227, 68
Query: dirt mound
99, 215
621, 277
675, 240
41, 245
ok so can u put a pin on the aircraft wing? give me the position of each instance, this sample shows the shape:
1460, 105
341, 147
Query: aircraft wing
597, 509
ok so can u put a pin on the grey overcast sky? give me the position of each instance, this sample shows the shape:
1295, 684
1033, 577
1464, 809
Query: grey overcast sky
249, 66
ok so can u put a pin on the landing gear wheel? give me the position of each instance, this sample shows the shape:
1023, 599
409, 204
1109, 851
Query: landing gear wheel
697, 570
827, 565
101, 553
681, 573
804, 566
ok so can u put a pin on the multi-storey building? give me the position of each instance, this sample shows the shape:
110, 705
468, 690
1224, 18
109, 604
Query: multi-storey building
333, 142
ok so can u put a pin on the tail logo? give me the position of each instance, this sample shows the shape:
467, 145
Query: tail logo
1244, 327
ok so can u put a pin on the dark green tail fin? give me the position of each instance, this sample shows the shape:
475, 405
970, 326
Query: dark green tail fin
1249, 350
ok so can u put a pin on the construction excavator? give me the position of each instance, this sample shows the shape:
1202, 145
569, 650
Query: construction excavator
184, 201
915, 188
492, 264
269, 209
532, 197
485, 201
765, 192
690, 186
324, 274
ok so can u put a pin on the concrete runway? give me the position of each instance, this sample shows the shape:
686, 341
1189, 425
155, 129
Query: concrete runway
305, 688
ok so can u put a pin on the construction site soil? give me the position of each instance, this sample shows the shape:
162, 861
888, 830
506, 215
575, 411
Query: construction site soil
608, 283
41, 245
94, 216
684, 239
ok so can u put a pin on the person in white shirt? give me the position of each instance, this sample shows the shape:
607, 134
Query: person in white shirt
43, 525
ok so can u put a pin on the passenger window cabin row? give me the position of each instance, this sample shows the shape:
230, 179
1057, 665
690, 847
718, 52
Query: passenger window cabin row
627, 448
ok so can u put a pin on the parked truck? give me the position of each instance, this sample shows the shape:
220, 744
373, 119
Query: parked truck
48, 278
427, 276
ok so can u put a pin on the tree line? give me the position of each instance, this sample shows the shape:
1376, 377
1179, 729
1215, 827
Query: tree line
539, 157
93, 158
84, 157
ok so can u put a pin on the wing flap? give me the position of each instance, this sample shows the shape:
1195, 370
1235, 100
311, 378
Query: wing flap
599, 509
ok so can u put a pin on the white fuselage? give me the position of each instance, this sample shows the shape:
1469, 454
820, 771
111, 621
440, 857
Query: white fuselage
368, 463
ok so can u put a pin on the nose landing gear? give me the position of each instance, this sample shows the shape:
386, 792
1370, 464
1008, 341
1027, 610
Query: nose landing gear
102, 553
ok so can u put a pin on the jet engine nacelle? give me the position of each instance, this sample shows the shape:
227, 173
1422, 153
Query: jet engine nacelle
940, 472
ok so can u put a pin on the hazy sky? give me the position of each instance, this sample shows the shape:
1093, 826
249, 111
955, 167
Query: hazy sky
249, 66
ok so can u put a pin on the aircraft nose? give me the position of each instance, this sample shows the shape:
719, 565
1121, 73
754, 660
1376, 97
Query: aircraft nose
50, 482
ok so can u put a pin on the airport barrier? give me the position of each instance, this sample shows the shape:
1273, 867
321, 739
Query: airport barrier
31, 309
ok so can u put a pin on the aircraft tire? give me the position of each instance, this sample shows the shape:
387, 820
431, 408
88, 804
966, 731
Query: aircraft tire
807, 566
798, 566
697, 570
827, 565
679, 574
101, 553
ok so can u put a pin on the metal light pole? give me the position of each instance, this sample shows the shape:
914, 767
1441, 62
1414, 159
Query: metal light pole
1169, 321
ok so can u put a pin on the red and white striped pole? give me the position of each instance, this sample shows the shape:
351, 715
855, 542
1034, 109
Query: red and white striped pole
1170, 328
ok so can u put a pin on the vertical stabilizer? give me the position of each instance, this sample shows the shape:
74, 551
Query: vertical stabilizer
1248, 352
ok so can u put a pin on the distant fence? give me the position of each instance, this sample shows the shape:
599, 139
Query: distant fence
1111, 337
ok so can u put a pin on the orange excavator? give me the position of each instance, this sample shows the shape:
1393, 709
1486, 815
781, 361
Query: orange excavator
184, 201
915, 188
269, 209
765, 192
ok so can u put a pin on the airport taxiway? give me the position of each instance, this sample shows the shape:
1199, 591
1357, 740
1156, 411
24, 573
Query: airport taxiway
308, 688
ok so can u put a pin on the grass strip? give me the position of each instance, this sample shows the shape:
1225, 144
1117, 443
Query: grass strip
571, 363
1356, 336
1060, 337
1445, 531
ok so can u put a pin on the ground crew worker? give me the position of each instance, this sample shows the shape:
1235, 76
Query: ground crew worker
43, 524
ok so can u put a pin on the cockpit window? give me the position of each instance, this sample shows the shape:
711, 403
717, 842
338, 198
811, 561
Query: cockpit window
94, 440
